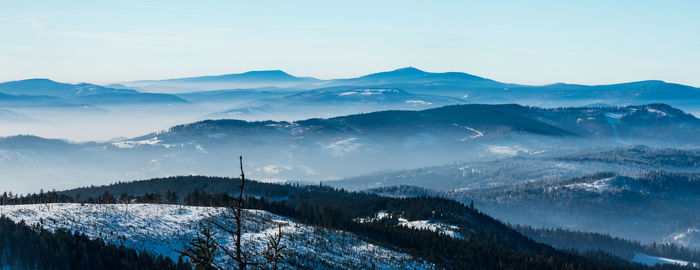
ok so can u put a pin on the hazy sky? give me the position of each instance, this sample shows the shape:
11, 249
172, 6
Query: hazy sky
534, 42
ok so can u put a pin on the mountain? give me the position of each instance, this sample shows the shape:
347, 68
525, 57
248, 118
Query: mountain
656, 158
518, 166
652, 196
411, 75
451, 124
473, 89
131, 99
45, 87
339, 101
251, 79
647, 206
375, 96
649, 254
33, 142
47, 93
234, 96
28, 101
652, 207
645, 90
251, 76
339, 147
276, 95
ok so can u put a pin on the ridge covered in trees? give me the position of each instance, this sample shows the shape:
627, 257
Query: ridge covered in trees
584, 241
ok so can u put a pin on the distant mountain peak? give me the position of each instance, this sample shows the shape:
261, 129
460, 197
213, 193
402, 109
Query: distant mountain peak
270, 71
408, 70
415, 75
34, 81
276, 73
250, 76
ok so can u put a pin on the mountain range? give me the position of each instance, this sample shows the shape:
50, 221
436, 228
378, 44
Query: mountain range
472, 89
454, 84
634, 192
617, 159
334, 148
47, 93
276, 95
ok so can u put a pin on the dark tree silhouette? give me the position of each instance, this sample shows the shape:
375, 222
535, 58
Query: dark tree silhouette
201, 251
205, 244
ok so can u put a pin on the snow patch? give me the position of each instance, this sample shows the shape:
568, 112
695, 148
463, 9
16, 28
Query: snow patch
272, 180
596, 186
418, 102
343, 146
132, 144
660, 113
368, 92
688, 238
507, 150
476, 134
450, 230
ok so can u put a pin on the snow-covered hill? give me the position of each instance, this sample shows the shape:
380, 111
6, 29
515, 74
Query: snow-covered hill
163, 229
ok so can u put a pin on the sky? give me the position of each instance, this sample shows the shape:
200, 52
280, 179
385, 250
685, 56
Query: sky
528, 42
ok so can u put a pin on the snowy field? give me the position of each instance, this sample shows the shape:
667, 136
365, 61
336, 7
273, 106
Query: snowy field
163, 229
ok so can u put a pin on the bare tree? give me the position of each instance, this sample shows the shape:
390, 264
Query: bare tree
240, 259
206, 244
274, 252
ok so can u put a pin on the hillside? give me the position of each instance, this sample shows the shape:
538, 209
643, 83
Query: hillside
321, 149
649, 254
653, 206
648, 206
163, 229
387, 222
545, 167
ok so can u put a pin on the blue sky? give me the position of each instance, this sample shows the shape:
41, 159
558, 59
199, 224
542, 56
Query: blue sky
532, 42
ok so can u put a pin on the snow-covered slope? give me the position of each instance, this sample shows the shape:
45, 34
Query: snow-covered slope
163, 229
